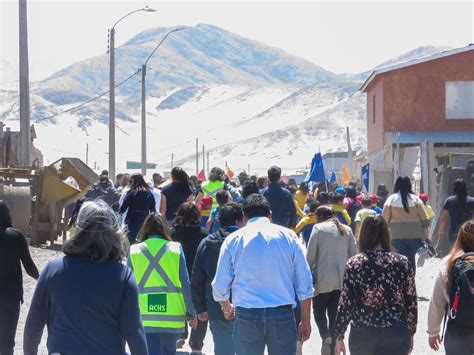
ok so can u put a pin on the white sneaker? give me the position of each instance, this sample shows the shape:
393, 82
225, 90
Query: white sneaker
326, 348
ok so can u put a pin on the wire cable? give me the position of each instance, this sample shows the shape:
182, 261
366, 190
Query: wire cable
88, 101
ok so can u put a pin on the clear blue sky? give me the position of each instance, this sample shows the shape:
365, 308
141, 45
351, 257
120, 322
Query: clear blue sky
349, 36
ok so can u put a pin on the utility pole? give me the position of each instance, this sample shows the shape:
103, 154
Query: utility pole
143, 70
25, 133
172, 161
208, 163
399, 165
203, 157
197, 156
87, 153
144, 170
112, 102
112, 164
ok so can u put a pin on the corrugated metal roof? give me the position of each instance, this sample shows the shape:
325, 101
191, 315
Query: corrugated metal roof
435, 137
414, 62
336, 155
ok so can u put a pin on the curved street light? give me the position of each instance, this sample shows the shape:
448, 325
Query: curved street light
112, 90
143, 70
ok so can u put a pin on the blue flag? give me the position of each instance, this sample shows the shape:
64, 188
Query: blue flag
365, 176
332, 178
316, 173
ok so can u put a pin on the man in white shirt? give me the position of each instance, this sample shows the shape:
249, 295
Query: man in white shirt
263, 265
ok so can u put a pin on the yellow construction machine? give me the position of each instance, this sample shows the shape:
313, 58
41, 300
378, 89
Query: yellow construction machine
38, 196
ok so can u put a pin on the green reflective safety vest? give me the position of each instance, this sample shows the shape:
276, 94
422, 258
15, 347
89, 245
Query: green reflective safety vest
156, 264
211, 188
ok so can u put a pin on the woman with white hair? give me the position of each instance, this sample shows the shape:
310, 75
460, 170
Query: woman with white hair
88, 299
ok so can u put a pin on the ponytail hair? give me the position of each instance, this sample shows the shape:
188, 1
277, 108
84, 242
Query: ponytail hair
403, 186
326, 213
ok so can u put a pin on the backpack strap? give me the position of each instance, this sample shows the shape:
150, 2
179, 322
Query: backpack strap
445, 321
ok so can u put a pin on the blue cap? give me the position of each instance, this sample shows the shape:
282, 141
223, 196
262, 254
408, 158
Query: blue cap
340, 190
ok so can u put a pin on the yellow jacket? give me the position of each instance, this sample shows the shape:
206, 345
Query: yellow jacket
342, 211
301, 199
429, 212
299, 211
310, 218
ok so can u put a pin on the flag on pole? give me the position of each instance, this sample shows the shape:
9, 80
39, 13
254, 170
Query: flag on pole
346, 176
365, 176
229, 172
316, 174
202, 175
332, 178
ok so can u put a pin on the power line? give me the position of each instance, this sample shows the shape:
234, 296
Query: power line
90, 100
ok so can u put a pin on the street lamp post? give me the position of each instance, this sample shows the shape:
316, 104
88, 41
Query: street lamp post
112, 91
144, 169
143, 70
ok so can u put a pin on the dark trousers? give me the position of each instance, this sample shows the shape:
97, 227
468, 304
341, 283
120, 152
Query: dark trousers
394, 340
196, 340
255, 328
407, 247
325, 309
161, 343
222, 332
9, 314
459, 341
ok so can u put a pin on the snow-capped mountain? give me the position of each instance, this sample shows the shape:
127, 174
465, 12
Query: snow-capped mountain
197, 55
416, 53
249, 103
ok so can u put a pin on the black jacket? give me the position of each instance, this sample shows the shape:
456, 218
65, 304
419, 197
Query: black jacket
282, 205
13, 252
189, 238
204, 270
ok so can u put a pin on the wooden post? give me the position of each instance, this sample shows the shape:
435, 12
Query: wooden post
197, 156
87, 153
203, 157
398, 161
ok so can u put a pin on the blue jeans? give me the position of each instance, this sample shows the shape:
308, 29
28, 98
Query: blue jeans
407, 247
161, 343
222, 332
394, 340
256, 327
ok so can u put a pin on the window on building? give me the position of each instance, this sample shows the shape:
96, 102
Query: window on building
459, 100
373, 108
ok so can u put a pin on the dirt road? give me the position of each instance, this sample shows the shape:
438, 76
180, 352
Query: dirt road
424, 279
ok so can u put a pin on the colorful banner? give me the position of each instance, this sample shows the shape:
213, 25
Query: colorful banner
316, 174
229, 172
202, 175
346, 176
365, 176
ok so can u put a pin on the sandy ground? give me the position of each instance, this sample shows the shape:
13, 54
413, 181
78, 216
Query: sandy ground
425, 280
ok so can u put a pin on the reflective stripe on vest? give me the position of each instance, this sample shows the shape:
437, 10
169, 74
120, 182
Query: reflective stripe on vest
156, 264
211, 188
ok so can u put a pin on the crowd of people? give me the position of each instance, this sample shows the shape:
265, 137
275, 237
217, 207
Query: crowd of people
154, 264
